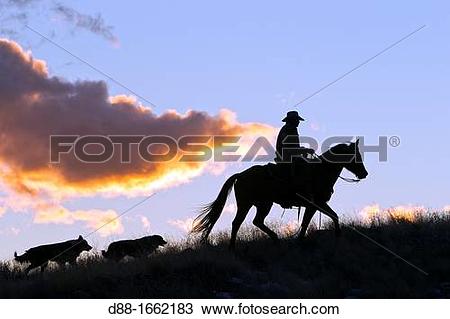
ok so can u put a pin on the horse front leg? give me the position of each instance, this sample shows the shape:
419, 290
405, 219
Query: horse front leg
309, 213
327, 210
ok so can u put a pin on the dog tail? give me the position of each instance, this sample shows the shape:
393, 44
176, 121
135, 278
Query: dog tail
19, 258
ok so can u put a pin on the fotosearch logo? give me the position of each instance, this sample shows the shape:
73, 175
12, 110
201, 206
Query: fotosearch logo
193, 148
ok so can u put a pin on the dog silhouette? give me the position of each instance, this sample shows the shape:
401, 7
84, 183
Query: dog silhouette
61, 253
133, 247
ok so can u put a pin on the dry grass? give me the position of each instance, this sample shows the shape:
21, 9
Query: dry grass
319, 267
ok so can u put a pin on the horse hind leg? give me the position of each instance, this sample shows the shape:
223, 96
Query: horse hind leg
242, 211
261, 213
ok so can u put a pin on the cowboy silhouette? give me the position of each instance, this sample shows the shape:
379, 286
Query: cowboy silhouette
288, 141
291, 156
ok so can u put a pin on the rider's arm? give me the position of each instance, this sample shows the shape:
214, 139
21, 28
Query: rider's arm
292, 141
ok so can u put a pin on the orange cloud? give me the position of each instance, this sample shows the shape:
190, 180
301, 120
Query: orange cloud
105, 222
35, 105
48, 210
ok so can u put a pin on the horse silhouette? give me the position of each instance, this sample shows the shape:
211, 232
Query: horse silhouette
61, 253
258, 186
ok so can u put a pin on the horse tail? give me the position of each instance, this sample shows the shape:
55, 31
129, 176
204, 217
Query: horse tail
210, 213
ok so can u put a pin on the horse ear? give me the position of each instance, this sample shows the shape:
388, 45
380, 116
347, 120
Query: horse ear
80, 237
357, 142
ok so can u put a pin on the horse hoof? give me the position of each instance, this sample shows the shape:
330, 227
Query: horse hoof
301, 237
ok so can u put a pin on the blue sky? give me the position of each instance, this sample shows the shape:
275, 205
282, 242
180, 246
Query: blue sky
259, 58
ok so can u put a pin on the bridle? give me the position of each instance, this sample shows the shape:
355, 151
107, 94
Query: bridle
350, 180
347, 179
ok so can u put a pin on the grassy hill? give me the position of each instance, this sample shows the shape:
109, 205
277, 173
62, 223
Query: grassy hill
319, 267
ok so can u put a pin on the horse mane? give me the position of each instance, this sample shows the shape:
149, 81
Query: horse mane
337, 150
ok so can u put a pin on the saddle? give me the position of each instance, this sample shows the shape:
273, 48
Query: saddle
289, 172
282, 172
297, 179
293, 177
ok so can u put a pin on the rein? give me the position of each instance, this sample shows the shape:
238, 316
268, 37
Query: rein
350, 180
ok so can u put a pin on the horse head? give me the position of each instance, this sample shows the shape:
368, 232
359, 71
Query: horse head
356, 165
349, 156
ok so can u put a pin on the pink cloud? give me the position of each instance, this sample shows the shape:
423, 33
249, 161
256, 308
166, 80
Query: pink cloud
185, 225
145, 222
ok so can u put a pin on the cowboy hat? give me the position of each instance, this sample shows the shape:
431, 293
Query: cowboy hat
292, 115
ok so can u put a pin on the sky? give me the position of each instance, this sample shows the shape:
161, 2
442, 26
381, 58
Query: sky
195, 65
